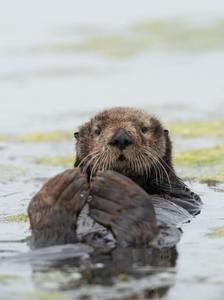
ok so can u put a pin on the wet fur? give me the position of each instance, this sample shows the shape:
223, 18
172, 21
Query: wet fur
148, 160
123, 198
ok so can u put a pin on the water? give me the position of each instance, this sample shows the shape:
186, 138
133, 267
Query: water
39, 84
56, 70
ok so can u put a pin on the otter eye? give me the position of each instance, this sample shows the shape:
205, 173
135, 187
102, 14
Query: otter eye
97, 131
145, 129
76, 135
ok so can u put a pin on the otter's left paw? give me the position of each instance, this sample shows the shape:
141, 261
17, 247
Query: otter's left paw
124, 207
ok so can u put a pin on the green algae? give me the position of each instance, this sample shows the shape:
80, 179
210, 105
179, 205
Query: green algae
5, 137
201, 156
221, 174
197, 129
66, 161
210, 174
217, 232
211, 179
22, 217
163, 34
48, 136
50, 72
113, 46
6, 277
44, 296
201, 164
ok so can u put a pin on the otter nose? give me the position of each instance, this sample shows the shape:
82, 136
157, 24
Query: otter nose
121, 139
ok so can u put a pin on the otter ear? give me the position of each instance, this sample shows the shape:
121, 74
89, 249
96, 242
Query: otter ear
166, 131
77, 160
76, 135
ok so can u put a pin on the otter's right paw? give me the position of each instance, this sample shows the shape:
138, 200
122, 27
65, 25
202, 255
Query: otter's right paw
54, 209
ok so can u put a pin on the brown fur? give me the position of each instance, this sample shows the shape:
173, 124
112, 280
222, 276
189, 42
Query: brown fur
148, 160
93, 139
122, 198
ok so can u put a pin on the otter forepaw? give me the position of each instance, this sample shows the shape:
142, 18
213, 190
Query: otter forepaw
122, 206
54, 209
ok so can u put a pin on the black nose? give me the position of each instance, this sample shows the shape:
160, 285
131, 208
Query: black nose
121, 139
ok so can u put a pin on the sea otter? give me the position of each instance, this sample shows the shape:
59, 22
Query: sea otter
124, 171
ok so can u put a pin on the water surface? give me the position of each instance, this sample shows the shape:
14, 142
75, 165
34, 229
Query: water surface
62, 62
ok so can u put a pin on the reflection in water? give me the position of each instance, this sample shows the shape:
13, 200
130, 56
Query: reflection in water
120, 270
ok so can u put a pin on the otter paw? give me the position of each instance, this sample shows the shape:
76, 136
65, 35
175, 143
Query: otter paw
124, 207
54, 209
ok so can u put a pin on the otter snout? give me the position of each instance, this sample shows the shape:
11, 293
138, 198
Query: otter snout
121, 139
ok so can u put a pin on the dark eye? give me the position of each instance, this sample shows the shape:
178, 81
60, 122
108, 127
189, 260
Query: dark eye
97, 131
145, 129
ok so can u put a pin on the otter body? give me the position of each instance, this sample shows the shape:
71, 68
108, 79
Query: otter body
124, 173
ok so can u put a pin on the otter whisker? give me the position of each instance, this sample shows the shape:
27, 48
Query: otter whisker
132, 164
160, 169
144, 164
155, 169
138, 165
158, 159
103, 162
93, 171
99, 164
107, 160
140, 168
161, 162
156, 166
167, 175
170, 169
153, 163
144, 169
86, 157
90, 161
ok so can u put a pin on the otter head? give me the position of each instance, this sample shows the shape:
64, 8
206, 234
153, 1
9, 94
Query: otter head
126, 140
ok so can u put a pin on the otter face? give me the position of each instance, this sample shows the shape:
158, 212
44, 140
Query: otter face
125, 140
